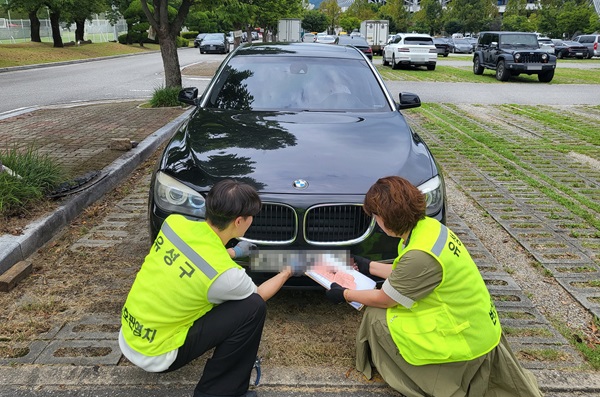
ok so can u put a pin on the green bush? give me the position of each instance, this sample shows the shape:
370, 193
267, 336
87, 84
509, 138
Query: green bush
189, 35
136, 38
34, 176
165, 97
181, 42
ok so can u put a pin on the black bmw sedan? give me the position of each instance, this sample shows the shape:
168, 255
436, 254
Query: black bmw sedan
215, 43
311, 126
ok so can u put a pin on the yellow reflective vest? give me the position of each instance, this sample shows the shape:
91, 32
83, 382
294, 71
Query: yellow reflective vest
170, 291
457, 321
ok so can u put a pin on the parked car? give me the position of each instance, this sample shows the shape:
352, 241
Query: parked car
592, 42
461, 46
569, 49
442, 46
326, 39
473, 41
546, 44
214, 42
311, 127
410, 49
358, 42
309, 38
511, 54
198, 39
230, 37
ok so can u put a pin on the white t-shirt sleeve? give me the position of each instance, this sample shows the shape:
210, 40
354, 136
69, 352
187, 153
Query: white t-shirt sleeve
233, 284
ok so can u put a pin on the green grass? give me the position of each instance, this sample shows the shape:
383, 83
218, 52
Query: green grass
33, 175
165, 97
465, 74
30, 53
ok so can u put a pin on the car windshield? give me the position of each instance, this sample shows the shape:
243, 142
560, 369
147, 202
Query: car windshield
214, 36
297, 83
527, 40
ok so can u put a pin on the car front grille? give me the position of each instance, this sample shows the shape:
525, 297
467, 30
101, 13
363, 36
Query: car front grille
275, 223
328, 224
530, 57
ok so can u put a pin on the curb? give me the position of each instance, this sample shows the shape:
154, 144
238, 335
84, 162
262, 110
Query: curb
17, 248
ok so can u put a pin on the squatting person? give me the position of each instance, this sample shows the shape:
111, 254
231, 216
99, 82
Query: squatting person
432, 329
190, 296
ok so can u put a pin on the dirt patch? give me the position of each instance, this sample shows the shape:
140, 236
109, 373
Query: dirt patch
206, 69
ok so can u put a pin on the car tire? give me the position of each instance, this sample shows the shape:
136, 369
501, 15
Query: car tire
446, 54
546, 77
384, 60
502, 74
559, 55
430, 67
477, 68
394, 64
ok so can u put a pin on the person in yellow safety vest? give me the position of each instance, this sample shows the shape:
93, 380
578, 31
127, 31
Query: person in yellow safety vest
432, 329
190, 296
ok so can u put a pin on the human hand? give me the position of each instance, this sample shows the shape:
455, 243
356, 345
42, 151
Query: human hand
244, 249
336, 293
298, 268
363, 265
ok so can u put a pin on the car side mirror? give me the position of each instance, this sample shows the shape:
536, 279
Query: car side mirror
188, 95
409, 100
494, 44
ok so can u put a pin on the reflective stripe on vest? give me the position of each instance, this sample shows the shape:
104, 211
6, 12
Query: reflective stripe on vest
186, 250
457, 321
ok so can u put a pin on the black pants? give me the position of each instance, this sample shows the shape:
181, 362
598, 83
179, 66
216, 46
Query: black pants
234, 329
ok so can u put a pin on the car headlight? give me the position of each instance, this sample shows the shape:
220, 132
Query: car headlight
545, 57
173, 196
517, 57
434, 195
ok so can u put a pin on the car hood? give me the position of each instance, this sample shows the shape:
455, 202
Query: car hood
334, 152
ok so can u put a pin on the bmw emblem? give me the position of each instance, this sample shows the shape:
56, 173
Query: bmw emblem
300, 184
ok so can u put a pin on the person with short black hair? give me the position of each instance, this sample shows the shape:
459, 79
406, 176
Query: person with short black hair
190, 296
432, 329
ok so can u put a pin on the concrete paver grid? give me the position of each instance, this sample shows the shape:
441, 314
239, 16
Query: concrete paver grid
76, 137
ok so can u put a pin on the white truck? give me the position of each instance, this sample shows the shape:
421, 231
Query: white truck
376, 33
289, 30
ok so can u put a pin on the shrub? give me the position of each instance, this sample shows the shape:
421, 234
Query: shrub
165, 97
34, 176
181, 42
189, 35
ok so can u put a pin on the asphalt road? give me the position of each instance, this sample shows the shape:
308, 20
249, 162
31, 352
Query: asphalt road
137, 76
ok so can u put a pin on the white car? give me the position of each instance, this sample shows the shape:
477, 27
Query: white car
410, 49
546, 44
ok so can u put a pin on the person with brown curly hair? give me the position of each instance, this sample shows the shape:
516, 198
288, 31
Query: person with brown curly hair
432, 329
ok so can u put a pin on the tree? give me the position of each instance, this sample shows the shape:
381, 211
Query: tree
474, 15
167, 30
81, 11
430, 16
269, 12
332, 11
397, 14
314, 21
362, 10
55, 8
515, 16
349, 23
31, 7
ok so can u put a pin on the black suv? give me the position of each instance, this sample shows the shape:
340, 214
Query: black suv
513, 53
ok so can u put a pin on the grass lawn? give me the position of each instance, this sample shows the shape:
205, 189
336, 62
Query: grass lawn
35, 53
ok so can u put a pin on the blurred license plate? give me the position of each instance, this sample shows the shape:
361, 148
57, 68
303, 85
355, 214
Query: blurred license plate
212, 47
579, 54
534, 67
276, 260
